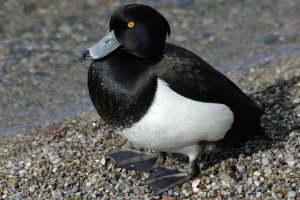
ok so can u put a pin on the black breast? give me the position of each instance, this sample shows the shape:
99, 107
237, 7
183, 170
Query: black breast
121, 88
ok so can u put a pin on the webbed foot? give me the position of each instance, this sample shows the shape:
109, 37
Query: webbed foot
165, 178
136, 160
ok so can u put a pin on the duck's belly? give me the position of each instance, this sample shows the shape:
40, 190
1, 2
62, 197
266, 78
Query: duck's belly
174, 122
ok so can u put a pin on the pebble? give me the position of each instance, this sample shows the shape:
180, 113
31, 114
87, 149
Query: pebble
170, 192
54, 170
256, 173
195, 185
31, 188
22, 172
215, 186
202, 194
103, 161
241, 168
291, 194
289, 157
291, 163
270, 38
265, 161
56, 161
267, 171
225, 179
248, 150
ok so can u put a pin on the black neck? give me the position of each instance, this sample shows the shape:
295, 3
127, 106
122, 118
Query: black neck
122, 88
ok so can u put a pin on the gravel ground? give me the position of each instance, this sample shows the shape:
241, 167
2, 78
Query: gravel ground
42, 77
67, 160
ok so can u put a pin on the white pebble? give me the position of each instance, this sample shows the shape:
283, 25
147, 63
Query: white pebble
265, 161
292, 194
195, 185
31, 188
256, 173
88, 184
28, 165
215, 186
257, 183
103, 161
55, 161
291, 163
268, 171
258, 195
54, 170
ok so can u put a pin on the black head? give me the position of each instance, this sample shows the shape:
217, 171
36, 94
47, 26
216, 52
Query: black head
140, 29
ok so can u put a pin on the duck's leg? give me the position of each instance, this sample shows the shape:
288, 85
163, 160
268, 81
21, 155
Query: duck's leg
136, 160
165, 178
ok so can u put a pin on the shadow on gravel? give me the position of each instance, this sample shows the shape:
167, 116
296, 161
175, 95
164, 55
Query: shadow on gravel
278, 122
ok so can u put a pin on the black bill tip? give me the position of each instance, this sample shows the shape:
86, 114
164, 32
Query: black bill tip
86, 54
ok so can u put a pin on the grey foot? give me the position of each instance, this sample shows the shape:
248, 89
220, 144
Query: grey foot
136, 160
164, 178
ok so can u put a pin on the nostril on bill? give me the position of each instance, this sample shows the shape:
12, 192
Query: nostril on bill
86, 54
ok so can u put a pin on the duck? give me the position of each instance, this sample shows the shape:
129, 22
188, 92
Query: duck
163, 97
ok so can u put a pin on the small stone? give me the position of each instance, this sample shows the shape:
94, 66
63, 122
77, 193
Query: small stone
225, 179
256, 173
88, 184
215, 186
185, 192
170, 192
270, 38
291, 163
240, 189
240, 168
268, 171
202, 194
248, 150
278, 195
208, 187
208, 21
291, 194
81, 138
264, 161
22, 173
289, 157
257, 183
103, 161
195, 185
27, 165
31, 188
258, 195
54, 170
55, 161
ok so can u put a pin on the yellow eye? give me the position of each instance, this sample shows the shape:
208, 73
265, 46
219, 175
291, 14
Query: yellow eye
130, 24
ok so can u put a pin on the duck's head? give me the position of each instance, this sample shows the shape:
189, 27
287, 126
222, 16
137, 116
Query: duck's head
137, 29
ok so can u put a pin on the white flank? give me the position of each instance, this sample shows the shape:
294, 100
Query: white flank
174, 122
